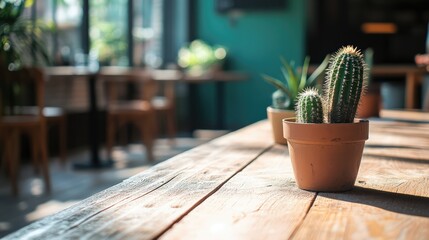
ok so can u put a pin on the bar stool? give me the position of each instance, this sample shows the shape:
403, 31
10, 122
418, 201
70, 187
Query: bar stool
122, 111
13, 123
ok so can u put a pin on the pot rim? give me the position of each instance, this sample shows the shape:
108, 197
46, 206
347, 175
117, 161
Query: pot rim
271, 109
331, 133
291, 120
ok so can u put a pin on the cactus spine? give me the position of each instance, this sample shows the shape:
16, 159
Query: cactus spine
344, 85
309, 107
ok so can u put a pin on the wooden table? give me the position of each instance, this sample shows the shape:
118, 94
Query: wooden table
413, 78
91, 75
241, 186
219, 78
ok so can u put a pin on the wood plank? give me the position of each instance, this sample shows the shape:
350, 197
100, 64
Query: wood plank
397, 134
146, 205
261, 202
403, 114
390, 202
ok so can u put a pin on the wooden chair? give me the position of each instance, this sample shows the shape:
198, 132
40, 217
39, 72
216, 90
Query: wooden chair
14, 123
123, 110
55, 117
164, 104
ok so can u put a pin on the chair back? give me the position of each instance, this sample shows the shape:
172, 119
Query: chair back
127, 84
22, 89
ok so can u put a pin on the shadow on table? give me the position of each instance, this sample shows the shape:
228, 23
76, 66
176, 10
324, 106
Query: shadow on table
394, 202
396, 153
395, 158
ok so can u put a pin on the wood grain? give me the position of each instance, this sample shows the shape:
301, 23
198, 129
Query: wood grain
261, 202
391, 200
144, 206
241, 186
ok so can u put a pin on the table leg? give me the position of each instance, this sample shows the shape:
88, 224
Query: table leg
413, 79
220, 91
95, 161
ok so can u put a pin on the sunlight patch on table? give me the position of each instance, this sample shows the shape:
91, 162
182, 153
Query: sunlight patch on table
48, 208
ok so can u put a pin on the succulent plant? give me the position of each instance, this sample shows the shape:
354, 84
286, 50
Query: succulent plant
345, 83
288, 90
309, 107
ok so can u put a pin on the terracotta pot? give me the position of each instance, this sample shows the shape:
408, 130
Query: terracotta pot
370, 103
325, 157
276, 116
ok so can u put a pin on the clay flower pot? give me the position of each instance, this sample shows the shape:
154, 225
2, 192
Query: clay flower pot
325, 157
276, 116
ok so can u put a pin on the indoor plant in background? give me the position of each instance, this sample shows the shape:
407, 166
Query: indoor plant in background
370, 102
199, 57
284, 98
326, 141
21, 40
21, 45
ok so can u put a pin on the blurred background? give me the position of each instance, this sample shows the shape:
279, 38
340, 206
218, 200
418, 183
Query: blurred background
244, 36
148, 33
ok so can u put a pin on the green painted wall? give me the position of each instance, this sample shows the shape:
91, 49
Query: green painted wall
255, 42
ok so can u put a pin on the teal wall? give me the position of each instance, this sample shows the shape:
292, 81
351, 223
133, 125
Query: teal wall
255, 42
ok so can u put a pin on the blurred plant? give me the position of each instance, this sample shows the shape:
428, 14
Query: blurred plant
21, 40
369, 59
288, 90
199, 56
108, 37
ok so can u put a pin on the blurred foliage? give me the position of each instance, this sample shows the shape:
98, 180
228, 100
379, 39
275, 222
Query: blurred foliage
198, 56
108, 37
21, 40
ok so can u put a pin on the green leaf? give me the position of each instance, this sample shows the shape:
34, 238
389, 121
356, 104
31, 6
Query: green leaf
303, 82
291, 78
277, 83
318, 70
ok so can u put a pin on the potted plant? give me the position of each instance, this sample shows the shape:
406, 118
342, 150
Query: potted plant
370, 102
21, 45
326, 141
199, 57
284, 98
21, 39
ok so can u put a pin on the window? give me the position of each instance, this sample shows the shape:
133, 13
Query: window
147, 32
118, 32
108, 31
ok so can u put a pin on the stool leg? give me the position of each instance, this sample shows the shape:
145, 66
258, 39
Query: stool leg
43, 150
146, 130
35, 146
110, 136
13, 161
63, 139
171, 125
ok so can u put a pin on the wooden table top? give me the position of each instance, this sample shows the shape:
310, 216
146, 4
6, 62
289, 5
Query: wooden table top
241, 186
397, 70
156, 74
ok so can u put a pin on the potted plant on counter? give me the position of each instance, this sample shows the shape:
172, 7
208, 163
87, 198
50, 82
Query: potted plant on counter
284, 98
370, 103
21, 46
326, 141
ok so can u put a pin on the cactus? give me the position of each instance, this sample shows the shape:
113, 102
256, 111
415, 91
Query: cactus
345, 83
345, 80
309, 107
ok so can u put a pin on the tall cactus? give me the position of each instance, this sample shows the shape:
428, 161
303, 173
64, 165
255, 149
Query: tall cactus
344, 85
309, 107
